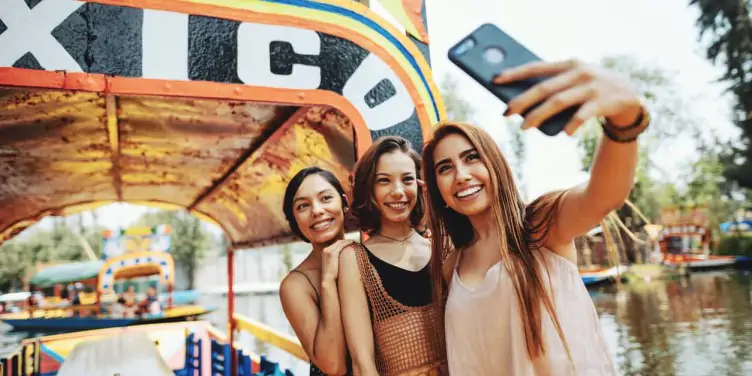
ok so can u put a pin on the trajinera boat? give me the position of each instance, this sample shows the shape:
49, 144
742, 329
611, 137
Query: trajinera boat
208, 106
137, 257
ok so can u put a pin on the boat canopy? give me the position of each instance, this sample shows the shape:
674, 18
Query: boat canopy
214, 117
67, 273
736, 226
134, 265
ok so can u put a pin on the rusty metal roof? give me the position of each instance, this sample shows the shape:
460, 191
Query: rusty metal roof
225, 161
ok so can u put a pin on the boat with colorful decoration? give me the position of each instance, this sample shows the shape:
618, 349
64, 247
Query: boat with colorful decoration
198, 105
94, 310
685, 240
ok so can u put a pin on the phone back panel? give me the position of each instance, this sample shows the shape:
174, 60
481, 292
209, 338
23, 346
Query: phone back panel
474, 62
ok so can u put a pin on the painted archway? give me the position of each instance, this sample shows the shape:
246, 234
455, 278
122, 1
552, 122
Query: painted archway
136, 264
98, 104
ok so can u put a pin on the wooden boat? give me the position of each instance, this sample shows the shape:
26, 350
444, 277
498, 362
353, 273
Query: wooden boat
213, 117
700, 262
94, 312
603, 275
185, 348
685, 240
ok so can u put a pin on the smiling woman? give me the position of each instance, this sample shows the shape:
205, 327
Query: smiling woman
384, 285
315, 206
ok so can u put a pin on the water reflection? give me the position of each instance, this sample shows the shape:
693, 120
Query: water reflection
695, 326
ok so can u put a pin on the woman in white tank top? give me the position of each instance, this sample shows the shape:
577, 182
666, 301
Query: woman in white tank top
516, 304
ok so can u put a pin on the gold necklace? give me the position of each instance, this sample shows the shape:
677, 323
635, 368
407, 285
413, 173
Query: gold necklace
398, 240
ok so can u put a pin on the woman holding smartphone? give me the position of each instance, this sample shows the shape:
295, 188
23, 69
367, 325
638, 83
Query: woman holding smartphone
391, 324
515, 303
315, 206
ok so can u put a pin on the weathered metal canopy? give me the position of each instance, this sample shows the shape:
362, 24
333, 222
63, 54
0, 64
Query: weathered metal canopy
98, 104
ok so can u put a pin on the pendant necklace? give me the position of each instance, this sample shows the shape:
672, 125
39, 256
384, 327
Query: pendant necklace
402, 241
408, 249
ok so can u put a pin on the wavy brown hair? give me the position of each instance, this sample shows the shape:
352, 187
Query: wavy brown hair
363, 206
522, 231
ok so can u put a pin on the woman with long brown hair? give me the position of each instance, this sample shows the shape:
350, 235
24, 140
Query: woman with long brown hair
513, 300
391, 323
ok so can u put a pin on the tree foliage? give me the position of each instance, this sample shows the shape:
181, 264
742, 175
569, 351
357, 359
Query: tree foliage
66, 239
702, 180
728, 26
190, 240
457, 107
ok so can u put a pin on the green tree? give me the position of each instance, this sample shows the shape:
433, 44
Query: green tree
671, 119
728, 26
65, 240
189, 241
15, 263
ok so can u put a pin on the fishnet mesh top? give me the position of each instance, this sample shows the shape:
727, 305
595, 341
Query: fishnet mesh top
408, 339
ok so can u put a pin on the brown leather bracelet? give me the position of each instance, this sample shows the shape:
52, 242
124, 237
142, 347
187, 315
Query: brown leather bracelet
629, 133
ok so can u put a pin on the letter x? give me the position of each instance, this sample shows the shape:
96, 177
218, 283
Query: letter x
30, 30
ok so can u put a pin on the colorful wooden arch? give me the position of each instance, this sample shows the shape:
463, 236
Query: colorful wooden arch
134, 265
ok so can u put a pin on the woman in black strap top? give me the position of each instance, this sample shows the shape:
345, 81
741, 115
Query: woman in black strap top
315, 206
391, 325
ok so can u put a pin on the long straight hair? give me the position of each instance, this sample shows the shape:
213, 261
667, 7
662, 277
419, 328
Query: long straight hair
522, 231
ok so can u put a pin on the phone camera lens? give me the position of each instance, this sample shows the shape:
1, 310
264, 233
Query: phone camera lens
465, 46
494, 55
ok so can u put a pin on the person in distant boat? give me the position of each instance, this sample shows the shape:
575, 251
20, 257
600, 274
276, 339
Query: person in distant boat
75, 301
150, 305
35, 300
131, 307
118, 308
315, 206
516, 303
392, 326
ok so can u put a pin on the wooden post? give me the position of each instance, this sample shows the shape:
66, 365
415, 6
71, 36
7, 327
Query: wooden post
231, 310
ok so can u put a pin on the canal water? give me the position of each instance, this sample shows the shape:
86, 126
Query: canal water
701, 325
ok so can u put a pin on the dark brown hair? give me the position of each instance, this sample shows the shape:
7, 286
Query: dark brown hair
363, 208
292, 189
522, 231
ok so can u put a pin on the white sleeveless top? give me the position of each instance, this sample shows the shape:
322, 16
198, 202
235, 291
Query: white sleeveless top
484, 329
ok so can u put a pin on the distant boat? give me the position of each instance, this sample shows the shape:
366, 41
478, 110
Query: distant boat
55, 315
603, 275
700, 262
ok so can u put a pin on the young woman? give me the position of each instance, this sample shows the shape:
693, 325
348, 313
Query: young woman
516, 304
391, 325
315, 206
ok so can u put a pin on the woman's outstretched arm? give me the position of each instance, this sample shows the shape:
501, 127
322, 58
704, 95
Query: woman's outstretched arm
599, 93
356, 316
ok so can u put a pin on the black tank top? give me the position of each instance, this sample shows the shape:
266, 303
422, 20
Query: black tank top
410, 288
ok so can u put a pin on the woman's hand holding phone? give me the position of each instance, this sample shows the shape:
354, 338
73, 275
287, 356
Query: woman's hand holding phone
569, 83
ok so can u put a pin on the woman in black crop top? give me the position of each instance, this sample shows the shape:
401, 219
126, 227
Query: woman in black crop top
315, 206
391, 325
